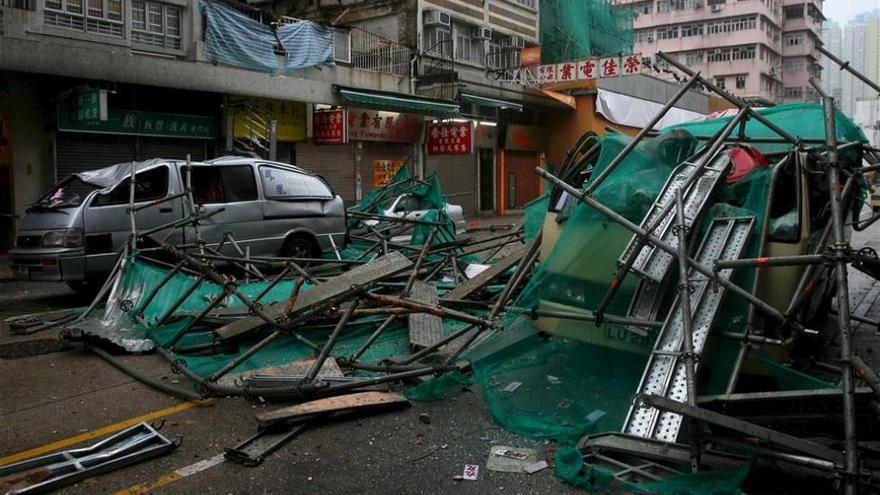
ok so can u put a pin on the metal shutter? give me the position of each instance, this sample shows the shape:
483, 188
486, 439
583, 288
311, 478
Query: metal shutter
334, 162
77, 152
382, 151
171, 148
458, 178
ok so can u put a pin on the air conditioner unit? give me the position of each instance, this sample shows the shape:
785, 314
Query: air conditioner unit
716, 8
698, 5
437, 18
650, 39
483, 33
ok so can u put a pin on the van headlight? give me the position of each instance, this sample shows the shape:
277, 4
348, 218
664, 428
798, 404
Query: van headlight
70, 238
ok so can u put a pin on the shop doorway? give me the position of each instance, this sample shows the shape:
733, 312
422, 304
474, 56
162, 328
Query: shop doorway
7, 213
487, 179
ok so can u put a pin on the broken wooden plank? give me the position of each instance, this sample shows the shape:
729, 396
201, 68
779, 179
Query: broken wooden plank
325, 292
425, 329
341, 403
472, 285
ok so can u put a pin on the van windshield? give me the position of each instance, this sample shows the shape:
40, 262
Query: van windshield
68, 193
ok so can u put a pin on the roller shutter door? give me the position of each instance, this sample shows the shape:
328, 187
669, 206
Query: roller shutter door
77, 152
381, 151
334, 162
458, 178
172, 148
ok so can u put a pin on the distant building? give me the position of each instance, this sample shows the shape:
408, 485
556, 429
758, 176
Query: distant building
763, 50
859, 44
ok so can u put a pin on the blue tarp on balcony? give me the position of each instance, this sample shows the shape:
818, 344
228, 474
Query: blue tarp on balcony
233, 38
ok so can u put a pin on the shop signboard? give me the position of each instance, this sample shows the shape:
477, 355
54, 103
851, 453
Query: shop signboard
525, 138
381, 126
530, 56
450, 138
330, 126
90, 105
591, 68
138, 123
384, 171
290, 118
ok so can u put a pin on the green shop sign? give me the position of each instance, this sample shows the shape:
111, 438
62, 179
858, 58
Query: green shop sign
90, 105
137, 123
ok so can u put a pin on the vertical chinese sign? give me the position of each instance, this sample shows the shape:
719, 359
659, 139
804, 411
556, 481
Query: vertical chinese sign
450, 138
330, 126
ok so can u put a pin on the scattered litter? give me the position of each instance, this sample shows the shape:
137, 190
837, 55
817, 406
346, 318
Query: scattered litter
510, 459
534, 468
554, 380
470, 472
595, 415
512, 386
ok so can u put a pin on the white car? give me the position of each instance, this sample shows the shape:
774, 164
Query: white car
411, 207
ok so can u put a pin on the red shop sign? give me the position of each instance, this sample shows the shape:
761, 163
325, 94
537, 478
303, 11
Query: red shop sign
330, 126
450, 138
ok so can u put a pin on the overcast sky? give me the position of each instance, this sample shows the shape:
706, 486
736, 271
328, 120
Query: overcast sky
842, 11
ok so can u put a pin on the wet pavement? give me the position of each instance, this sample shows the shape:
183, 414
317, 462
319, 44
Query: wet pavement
53, 396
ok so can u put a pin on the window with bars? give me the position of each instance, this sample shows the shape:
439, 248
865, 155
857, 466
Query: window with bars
693, 58
743, 52
101, 17
689, 30
718, 55
438, 42
741, 81
155, 24
793, 92
732, 24
794, 39
645, 36
468, 48
667, 32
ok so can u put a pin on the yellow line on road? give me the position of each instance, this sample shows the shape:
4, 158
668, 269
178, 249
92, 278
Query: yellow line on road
104, 430
148, 487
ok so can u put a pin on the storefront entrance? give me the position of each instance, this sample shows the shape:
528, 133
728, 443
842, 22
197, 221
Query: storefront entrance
487, 179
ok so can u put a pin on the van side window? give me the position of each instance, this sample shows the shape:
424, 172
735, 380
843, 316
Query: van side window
287, 184
226, 184
785, 208
148, 185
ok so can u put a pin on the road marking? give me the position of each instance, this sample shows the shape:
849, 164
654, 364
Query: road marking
105, 430
178, 474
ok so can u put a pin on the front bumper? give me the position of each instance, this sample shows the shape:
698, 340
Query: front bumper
48, 264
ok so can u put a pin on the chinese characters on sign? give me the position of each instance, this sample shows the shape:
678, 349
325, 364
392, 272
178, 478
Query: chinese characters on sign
330, 126
591, 68
91, 105
450, 138
389, 127
289, 117
135, 122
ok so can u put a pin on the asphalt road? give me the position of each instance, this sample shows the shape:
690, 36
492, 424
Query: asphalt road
55, 397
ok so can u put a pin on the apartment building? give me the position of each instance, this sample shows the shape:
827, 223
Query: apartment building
764, 50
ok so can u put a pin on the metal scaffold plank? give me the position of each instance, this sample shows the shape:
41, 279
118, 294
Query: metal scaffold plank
361, 276
464, 290
665, 373
425, 329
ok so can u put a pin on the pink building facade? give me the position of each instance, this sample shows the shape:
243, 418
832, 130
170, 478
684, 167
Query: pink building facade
764, 50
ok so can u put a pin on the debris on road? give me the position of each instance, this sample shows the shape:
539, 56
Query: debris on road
510, 459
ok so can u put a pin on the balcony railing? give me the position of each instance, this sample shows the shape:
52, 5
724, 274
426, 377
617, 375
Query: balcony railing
374, 53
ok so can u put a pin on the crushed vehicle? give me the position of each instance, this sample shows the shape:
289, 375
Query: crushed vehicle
413, 207
75, 232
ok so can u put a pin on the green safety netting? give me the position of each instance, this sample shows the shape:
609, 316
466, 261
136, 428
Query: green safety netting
802, 120
566, 388
577, 29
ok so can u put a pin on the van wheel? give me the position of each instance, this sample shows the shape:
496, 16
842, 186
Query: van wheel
300, 246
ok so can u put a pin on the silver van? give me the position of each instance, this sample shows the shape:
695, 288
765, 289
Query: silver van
75, 232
